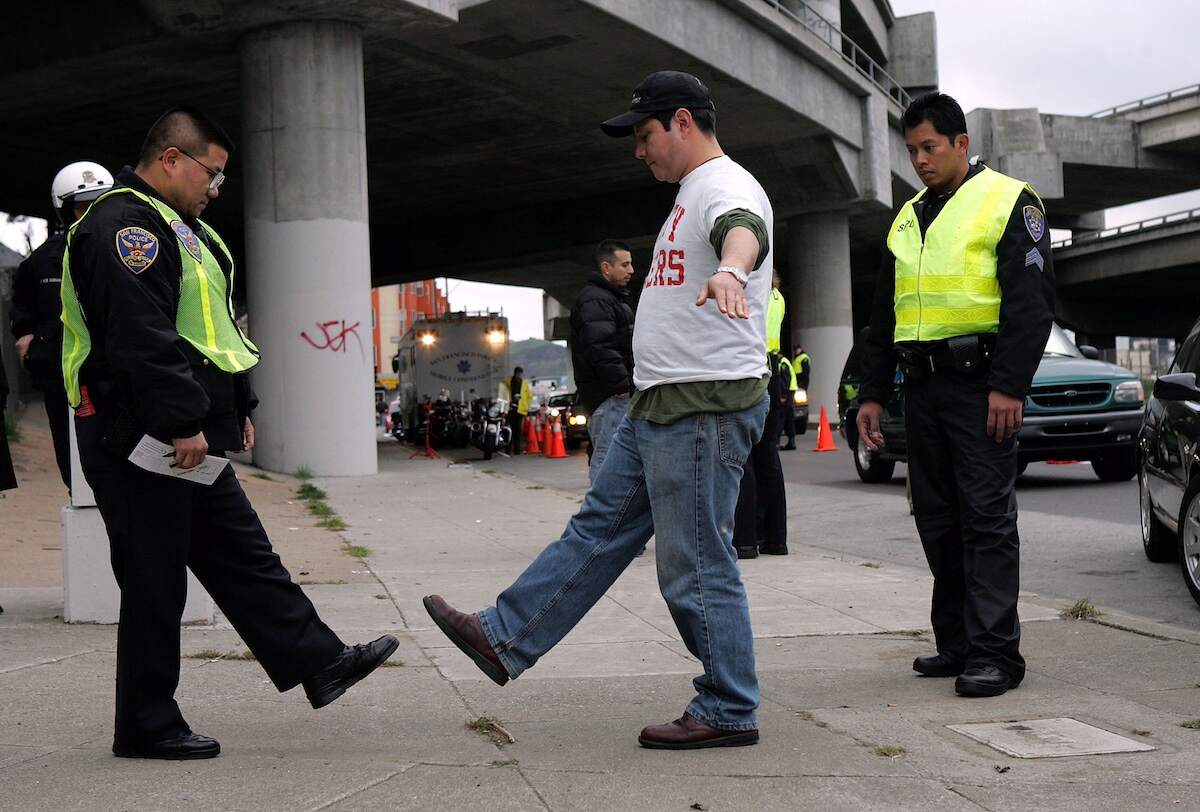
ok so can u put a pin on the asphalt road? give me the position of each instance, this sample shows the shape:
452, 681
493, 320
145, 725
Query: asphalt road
1079, 536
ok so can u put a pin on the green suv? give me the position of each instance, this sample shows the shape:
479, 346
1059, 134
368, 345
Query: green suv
1078, 408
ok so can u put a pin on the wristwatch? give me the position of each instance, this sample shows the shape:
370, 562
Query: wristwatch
741, 276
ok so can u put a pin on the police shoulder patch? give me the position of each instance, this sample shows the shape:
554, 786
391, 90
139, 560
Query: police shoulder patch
137, 248
188, 238
1035, 222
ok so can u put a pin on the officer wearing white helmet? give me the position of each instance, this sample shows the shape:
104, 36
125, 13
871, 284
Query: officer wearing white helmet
36, 304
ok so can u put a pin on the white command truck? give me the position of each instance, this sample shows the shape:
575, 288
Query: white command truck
464, 355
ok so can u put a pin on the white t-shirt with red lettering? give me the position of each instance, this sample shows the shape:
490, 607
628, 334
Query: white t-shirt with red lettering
673, 340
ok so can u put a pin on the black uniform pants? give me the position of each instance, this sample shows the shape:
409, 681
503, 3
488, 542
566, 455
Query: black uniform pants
966, 512
158, 528
762, 491
789, 423
516, 422
58, 414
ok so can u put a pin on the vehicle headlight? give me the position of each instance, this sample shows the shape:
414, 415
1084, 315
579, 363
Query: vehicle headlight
579, 420
554, 412
1129, 392
800, 398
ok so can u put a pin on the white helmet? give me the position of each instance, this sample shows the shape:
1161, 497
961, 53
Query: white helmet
79, 182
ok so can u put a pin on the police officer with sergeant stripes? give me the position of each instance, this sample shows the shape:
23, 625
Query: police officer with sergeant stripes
150, 346
964, 303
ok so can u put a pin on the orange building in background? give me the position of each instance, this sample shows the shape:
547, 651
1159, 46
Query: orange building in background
394, 308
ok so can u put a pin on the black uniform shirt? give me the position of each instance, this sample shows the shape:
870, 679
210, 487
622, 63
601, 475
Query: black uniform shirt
1026, 303
36, 307
138, 359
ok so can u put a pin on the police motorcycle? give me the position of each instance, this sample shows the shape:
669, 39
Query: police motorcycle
490, 432
447, 422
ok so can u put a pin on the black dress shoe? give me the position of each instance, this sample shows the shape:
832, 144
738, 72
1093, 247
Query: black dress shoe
466, 632
788, 447
773, 549
354, 663
938, 665
747, 552
180, 748
983, 680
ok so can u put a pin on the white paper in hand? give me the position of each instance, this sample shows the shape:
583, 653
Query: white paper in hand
157, 458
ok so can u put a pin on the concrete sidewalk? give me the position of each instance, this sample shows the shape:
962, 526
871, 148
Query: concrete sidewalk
845, 722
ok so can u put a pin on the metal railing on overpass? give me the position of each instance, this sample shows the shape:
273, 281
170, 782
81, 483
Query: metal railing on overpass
1149, 101
846, 48
1148, 224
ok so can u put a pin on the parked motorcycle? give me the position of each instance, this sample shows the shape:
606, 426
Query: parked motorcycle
489, 428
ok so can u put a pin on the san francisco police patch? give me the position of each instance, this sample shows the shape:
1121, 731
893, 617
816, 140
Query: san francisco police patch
188, 238
137, 248
1035, 222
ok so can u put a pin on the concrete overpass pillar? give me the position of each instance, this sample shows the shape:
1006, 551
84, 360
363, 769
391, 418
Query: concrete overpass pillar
307, 247
820, 304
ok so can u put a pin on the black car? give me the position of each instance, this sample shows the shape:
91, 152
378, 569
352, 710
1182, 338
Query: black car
574, 418
1078, 408
1169, 465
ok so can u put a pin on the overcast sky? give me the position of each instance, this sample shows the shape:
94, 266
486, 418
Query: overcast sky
1060, 56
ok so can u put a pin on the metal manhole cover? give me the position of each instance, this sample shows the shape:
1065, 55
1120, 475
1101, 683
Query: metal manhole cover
1049, 738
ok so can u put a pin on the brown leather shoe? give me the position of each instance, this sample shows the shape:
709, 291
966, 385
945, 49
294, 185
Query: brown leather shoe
465, 632
686, 733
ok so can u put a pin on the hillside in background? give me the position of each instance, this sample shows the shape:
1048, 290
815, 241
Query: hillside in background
541, 359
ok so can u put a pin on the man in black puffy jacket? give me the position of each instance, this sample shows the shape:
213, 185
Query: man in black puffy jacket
602, 346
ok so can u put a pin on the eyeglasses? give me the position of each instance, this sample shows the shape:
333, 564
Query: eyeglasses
215, 176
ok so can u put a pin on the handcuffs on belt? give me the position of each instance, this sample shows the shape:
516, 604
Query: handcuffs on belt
961, 353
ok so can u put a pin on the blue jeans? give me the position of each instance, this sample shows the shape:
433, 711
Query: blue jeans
678, 483
602, 428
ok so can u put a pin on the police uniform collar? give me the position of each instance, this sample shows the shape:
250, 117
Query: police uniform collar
132, 180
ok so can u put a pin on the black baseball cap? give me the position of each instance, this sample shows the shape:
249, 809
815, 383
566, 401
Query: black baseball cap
662, 90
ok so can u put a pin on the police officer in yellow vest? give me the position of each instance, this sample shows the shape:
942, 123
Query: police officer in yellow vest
967, 294
150, 347
760, 518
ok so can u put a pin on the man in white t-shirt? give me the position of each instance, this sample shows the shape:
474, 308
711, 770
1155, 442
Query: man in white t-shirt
675, 463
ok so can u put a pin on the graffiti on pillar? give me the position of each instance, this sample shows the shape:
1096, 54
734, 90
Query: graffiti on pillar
334, 336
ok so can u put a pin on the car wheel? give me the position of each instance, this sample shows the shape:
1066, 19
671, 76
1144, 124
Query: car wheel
1115, 466
1158, 542
1189, 539
868, 464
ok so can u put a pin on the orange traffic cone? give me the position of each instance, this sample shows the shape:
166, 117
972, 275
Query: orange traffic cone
557, 449
532, 446
824, 434
547, 436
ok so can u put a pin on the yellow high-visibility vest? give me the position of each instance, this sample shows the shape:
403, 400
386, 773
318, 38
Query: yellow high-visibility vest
775, 311
946, 282
203, 317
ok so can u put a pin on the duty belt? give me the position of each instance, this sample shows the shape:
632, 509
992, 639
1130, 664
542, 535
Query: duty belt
967, 353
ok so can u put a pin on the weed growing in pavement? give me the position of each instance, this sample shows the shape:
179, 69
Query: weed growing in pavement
303, 473
889, 751
263, 475
535, 487
320, 508
511, 762
308, 490
10, 429
490, 728
1082, 609
357, 551
1191, 724
334, 522
213, 654
805, 715
871, 565
1140, 732
819, 723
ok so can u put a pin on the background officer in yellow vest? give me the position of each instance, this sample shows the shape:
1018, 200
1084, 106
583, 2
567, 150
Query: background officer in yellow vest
967, 294
760, 518
519, 394
150, 347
